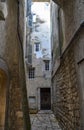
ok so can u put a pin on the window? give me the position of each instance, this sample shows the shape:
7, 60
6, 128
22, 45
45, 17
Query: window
46, 64
31, 73
37, 46
34, 18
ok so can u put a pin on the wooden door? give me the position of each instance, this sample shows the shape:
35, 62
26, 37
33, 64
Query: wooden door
45, 98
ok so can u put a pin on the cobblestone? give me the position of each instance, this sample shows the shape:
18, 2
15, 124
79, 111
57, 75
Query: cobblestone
44, 120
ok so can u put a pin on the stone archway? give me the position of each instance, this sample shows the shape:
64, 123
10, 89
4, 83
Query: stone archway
3, 89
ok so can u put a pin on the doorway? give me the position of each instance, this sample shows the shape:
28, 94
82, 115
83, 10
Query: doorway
45, 98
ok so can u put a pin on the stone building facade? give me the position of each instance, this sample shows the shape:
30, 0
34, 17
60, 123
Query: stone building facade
13, 96
68, 62
39, 71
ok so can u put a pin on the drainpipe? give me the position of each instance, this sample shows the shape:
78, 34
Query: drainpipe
25, 107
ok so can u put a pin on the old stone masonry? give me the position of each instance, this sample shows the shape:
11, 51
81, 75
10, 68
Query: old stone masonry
44, 120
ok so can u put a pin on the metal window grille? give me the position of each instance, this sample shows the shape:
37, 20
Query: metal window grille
31, 73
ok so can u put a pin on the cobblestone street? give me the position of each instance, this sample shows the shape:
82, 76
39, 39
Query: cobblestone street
44, 120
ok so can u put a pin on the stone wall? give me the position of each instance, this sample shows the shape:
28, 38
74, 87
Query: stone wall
54, 37
67, 76
66, 94
68, 86
42, 80
79, 59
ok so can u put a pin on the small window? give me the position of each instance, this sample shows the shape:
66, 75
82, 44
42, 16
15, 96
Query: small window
34, 18
46, 64
31, 73
37, 46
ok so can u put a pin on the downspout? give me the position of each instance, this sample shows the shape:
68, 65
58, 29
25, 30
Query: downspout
25, 107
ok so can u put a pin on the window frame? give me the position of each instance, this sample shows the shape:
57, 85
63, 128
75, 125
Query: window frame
47, 65
37, 46
31, 73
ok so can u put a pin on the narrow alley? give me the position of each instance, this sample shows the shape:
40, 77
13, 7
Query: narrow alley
44, 120
41, 64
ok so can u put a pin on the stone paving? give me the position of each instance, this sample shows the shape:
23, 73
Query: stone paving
44, 120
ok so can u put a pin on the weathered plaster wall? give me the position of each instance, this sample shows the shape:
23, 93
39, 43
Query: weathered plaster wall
40, 81
12, 54
73, 16
55, 51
